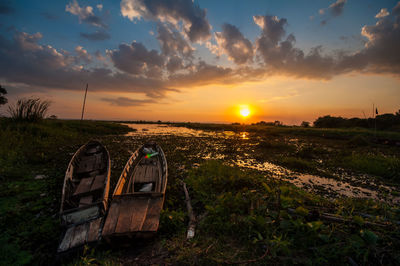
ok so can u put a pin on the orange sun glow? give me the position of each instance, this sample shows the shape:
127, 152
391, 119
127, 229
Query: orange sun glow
244, 111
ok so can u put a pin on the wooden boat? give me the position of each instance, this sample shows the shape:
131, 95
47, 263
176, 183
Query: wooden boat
139, 195
85, 195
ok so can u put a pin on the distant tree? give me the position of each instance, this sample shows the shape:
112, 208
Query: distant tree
278, 123
330, 122
305, 124
398, 113
3, 100
53, 117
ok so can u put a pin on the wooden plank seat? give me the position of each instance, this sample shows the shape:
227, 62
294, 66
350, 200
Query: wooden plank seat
84, 201
90, 163
88, 185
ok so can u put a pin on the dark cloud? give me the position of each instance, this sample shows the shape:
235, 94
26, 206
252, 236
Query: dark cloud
202, 74
337, 7
272, 27
136, 59
96, 36
196, 25
24, 61
234, 44
174, 64
172, 43
85, 14
379, 55
6, 9
124, 101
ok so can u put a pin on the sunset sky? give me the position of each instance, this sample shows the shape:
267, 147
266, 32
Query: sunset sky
184, 60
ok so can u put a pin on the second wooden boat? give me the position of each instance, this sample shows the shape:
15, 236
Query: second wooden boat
139, 195
85, 196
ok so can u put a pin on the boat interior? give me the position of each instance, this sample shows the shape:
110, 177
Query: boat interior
144, 173
86, 187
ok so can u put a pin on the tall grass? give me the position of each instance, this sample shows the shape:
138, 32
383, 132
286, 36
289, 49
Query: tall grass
31, 110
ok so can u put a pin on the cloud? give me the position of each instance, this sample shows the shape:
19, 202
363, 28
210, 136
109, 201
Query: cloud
272, 27
234, 44
6, 9
85, 14
82, 55
337, 7
174, 64
195, 23
173, 43
96, 36
135, 68
202, 74
136, 59
125, 101
24, 61
379, 55
382, 13
335, 10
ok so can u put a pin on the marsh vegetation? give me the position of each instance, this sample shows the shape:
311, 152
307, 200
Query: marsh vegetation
246, 213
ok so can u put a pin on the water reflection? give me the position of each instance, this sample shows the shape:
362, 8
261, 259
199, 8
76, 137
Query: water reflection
244, 135
201, 144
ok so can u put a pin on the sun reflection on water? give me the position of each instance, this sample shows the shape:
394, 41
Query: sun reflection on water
244, 135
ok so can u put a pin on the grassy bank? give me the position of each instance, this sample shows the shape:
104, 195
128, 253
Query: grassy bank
335, 133
29, 205
250, 218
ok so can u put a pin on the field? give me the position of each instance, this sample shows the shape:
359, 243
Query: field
244, 215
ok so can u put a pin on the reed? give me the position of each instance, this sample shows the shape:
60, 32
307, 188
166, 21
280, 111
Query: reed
32, 110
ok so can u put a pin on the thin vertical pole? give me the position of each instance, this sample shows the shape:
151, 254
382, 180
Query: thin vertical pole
84, 102
375, 121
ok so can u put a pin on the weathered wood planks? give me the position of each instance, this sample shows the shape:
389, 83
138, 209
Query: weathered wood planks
81, 234
153, 215
94, 230
134, 212
84, 186
111, 219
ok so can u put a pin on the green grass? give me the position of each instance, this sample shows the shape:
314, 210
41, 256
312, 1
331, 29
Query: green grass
241, 213
334, 133
28, 206
244, 219
387, 167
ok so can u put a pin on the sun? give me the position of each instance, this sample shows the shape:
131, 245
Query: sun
244, 111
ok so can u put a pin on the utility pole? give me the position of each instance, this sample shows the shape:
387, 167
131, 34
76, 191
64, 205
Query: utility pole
84, 101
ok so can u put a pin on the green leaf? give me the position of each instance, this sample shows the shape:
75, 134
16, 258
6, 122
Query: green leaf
369, 237
358, 220
302, 211
315, 225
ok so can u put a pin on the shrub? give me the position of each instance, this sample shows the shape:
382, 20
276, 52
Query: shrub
31, 110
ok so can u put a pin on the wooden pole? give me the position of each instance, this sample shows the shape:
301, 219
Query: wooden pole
192, 217
84, 101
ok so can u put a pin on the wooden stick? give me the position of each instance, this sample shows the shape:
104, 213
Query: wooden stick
192, 217
338, 219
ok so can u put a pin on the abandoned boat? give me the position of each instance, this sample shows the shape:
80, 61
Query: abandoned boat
85, 195
139, 195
